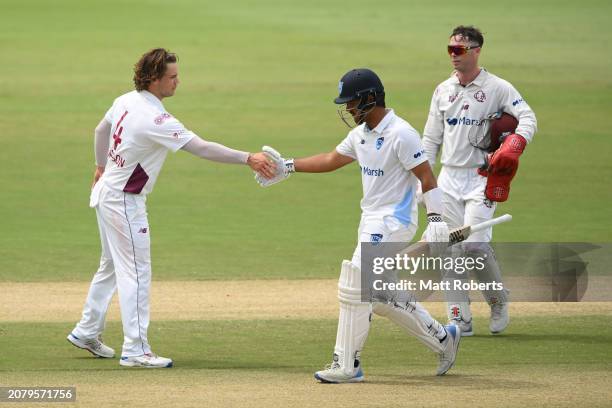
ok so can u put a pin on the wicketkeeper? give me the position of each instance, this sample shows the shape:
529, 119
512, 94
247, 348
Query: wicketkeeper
468, 116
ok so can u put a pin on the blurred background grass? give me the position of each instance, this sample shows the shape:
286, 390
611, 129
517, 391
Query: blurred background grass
265, 72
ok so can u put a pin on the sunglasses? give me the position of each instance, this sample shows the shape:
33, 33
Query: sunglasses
460, 49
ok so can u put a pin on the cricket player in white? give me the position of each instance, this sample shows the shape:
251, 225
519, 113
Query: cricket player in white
391, 159
131, 144
458, 124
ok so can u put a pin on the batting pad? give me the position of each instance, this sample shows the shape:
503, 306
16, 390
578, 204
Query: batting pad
414, 319
354, 320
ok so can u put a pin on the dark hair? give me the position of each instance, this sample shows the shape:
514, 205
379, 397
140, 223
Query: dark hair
470, 33
151, 66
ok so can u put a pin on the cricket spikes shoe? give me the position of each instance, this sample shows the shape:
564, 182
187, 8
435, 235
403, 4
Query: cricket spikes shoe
94, 346
334, 374
148, 360
466, 327
451, 348
499, 317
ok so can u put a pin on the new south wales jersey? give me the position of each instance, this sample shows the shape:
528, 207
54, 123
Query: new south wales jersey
142, 132
386, 155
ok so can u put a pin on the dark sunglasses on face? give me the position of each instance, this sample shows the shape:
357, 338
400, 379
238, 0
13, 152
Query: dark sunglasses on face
460, 49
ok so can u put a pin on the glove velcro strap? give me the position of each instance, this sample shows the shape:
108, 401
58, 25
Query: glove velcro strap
434, 218
289, 166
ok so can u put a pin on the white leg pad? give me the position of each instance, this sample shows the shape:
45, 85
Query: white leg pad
413, 318
354, 320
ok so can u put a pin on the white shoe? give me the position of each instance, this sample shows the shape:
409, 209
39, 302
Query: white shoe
334, 374
466, 327
148, 360
499, 317
451, 347
94, 346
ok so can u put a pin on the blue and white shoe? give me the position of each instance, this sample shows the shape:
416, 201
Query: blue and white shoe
451, 348
334, 374
466, 327
94, 346
148, 360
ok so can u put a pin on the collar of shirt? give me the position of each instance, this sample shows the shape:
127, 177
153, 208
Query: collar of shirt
153, 99
382, 125
478, 81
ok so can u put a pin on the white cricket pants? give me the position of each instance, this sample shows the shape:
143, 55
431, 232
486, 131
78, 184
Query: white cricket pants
125, 265
465, 204
464, 200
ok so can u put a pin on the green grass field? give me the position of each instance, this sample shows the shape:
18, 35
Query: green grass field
265, 72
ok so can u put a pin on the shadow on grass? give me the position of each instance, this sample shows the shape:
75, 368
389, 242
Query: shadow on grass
455, 380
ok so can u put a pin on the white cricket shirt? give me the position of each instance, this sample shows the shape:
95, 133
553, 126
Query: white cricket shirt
142, 132
457, 114
386, 155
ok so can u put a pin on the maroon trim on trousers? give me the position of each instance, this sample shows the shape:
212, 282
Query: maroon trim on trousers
137, 180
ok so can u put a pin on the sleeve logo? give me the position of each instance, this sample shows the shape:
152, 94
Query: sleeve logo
162, 118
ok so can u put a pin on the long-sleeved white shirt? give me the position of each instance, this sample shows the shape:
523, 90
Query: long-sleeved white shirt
457, 115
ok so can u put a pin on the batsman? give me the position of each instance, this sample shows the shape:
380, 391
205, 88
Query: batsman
482, 125
391, 159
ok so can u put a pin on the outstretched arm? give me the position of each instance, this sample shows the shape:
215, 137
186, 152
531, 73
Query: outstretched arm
223, 154
321, 163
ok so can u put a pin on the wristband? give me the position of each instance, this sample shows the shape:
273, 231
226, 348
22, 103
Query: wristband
289, 166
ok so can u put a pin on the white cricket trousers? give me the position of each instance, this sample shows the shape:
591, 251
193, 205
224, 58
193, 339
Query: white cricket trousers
125, 264
464, 200
465, 204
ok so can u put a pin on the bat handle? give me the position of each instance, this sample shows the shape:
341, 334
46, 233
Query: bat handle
491, 222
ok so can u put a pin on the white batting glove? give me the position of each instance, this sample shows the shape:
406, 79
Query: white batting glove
284, 168
437, 234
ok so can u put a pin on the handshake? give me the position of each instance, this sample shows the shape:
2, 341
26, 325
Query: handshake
281, 169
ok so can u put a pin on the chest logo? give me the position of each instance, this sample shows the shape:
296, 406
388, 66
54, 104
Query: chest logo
376, 238
480, 96
453, 98
379, 142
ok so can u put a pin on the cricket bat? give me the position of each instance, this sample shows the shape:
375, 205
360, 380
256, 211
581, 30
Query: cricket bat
458, 234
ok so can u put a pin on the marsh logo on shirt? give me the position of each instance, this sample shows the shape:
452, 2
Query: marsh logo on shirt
465, 121
372, 172
379, 142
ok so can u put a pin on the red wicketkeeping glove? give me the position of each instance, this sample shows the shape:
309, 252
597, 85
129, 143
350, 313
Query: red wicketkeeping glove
502, 166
